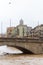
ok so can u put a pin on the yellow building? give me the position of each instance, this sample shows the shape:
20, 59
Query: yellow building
9, 31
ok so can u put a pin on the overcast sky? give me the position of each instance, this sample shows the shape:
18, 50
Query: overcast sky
31, 11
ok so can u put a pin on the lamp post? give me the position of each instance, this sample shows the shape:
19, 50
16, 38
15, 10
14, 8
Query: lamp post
1, 29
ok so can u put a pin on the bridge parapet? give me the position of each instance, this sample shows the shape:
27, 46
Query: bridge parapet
21, 40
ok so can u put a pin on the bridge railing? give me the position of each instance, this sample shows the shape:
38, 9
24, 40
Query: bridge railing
21, 40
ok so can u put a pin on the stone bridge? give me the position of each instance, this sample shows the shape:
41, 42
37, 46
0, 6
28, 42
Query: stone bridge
27, 45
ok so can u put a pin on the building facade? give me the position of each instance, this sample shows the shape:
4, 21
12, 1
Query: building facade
20, 30
23, 30
9, 31
37, 31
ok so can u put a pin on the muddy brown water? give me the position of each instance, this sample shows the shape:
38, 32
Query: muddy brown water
21, 59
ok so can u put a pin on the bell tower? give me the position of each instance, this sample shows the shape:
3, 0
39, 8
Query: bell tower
21, 22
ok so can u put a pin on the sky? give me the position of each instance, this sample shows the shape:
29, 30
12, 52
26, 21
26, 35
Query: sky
31, 11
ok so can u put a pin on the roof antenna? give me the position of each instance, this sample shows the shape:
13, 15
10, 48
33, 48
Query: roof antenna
10, 22
38, 23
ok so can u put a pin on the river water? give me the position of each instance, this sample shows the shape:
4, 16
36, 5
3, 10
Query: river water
21, 59
8, 58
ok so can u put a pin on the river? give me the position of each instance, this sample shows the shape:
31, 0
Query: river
13, 56
24, 59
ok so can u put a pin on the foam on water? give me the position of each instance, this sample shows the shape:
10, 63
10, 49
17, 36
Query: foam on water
10, 50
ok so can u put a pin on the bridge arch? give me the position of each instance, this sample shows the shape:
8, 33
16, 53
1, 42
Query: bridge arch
24, 50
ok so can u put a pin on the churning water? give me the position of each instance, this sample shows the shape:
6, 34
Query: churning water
12, 59
9, 50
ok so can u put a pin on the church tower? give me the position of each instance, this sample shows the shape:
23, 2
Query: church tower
21, 22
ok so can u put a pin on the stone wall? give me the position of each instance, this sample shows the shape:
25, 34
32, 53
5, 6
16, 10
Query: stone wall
35, 46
